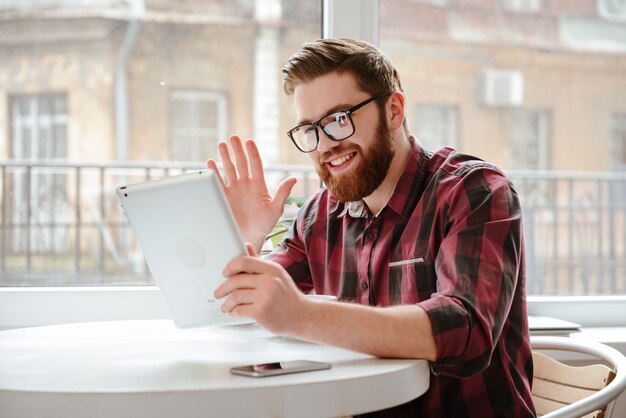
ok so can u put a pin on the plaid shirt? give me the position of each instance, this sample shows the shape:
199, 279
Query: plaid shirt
450, 240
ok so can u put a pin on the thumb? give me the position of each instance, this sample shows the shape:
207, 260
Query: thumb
283, 191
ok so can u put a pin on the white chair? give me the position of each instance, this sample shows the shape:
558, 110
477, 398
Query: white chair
562, 391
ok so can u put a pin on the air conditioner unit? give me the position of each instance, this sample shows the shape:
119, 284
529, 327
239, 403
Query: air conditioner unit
527, 6
612, 9
501, 88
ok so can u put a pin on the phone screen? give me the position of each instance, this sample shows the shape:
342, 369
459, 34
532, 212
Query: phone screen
278, 368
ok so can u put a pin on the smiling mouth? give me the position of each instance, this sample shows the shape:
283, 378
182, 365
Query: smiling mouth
342, 160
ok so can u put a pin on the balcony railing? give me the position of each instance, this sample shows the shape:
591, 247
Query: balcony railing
61, 225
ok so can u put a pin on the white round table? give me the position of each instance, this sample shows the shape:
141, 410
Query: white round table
150, 368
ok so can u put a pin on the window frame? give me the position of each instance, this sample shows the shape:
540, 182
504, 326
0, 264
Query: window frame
21, 307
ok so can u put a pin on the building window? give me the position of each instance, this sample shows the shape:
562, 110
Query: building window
39, 126
38, 204
436, 126
618, 157
198, 120
618, 140
529, 133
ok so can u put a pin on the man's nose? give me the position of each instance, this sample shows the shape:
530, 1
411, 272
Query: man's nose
325, 143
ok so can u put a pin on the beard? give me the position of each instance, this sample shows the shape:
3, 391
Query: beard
362, 180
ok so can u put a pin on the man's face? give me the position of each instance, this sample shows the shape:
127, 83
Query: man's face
353, 168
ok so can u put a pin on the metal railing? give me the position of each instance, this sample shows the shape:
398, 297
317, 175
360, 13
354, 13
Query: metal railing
575, 229
60, 224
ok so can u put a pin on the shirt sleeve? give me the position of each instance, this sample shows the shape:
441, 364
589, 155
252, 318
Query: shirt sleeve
478, 266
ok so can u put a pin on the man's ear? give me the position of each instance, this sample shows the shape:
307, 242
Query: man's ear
395, 110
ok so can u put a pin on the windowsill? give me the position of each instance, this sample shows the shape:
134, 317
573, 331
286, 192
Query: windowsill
612, 336
588, 311
35, 306
548, 326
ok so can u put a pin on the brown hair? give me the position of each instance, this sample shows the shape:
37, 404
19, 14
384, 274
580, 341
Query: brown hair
372, 69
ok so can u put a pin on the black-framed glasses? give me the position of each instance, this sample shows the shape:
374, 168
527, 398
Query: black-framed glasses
337, 126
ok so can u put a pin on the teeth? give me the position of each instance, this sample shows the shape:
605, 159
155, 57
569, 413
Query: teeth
341, 160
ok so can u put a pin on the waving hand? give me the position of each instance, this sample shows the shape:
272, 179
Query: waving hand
255, 209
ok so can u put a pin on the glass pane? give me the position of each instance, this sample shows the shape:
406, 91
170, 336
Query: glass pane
193, 72
197, 118
539, 90
435, 125
208, 114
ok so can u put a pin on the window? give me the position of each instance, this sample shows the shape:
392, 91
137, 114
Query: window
537, 101
38, 127
435, 125
565, 56
529, 133
198, 120
618, 142
618, 159
148, 91
38, 207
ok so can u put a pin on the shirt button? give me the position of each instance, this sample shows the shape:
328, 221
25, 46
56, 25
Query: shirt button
364, 285
369, 235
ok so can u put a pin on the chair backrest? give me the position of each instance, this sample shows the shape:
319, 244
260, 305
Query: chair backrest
556, 385
561, 391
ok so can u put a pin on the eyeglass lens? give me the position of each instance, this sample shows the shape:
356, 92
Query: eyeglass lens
337, 126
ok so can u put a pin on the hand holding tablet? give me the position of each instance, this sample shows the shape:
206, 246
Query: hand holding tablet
187, 233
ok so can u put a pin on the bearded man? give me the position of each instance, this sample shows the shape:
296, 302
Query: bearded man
425, 247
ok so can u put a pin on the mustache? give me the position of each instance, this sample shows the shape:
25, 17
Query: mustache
338, 150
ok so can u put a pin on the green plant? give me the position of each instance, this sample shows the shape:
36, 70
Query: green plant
277, 234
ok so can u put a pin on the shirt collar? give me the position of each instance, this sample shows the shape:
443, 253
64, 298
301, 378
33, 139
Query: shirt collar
403, 197
398, 200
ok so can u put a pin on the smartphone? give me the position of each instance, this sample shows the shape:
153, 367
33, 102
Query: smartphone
278, 368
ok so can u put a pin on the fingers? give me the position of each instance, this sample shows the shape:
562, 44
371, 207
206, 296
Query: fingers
283, 191
246, 272
241, 158
227, 162
252, 265
243, 310
250, 249
238, 165
237, 298
256, 164
213, 166
256, 283
240, 281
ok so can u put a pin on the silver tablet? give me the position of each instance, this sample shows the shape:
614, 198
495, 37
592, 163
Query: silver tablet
187, 233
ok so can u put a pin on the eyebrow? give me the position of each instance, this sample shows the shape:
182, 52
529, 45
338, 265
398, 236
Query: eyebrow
336, 108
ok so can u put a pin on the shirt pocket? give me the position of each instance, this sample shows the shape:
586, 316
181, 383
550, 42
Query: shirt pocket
408, 282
